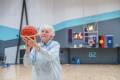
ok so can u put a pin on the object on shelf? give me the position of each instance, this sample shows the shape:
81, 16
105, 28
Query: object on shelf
81, 45
109, 39
92, 42
78, 36
90, 28
101, 41
75, 46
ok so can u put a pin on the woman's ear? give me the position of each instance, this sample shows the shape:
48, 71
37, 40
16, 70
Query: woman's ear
52, 37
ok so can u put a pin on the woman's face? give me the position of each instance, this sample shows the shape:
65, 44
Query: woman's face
45, 35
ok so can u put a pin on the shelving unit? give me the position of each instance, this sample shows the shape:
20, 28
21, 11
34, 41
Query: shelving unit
90, 32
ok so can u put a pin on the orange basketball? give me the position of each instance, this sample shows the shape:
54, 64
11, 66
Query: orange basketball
28, 30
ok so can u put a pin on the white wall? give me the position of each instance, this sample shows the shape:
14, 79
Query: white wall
10, 54
53, 11
10, 13
40, 12
70, 9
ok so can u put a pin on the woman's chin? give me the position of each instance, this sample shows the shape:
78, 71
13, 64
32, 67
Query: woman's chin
43, 39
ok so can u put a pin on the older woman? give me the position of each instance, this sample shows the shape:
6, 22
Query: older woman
44, 56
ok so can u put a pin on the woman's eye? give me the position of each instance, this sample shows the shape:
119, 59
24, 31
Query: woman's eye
42, 31
46, 32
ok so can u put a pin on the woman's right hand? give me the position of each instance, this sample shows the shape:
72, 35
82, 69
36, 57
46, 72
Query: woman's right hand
27, 45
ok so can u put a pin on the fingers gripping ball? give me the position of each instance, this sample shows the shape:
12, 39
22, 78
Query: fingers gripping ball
29, 31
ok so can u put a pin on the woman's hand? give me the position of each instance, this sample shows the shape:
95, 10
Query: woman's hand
34, 44
28, 46
30, 43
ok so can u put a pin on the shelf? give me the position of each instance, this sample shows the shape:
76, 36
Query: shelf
91, 35
92, 32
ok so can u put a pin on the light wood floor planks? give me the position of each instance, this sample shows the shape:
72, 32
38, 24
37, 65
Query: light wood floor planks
70, 72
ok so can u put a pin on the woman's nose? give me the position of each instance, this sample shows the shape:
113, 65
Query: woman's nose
43, 33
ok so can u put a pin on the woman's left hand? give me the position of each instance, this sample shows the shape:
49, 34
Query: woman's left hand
33, 43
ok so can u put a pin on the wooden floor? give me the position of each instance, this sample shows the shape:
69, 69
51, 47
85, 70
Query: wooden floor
70, 72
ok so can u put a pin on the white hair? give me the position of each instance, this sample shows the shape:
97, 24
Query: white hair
45, 26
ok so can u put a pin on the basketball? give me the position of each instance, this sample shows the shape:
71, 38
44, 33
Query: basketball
29, 31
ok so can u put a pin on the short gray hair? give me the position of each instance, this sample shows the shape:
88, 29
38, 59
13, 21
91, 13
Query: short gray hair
45, 26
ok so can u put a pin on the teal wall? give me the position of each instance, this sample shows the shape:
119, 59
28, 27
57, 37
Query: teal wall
7, 33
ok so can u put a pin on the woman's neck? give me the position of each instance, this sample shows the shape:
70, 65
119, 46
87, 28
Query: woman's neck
45, 41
